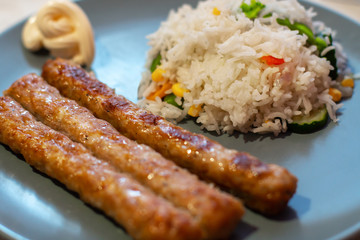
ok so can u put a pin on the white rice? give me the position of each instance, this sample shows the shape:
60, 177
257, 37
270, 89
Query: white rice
217, 59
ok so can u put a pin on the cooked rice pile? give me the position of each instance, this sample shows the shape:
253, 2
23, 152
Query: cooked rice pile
217, 58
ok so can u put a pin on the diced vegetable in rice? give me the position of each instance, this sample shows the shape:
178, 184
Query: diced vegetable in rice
251, 66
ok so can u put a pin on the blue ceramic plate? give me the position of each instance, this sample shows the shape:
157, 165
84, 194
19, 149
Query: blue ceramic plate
327, 163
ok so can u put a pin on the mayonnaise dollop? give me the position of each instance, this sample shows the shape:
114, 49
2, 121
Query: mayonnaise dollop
64, 29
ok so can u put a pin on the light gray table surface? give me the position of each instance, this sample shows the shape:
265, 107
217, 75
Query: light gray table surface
11, 12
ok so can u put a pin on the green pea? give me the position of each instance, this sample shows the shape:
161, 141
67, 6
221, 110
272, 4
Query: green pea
155, 63
170, 99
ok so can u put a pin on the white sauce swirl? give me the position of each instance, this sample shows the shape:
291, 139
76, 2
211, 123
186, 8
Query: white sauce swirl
63, 28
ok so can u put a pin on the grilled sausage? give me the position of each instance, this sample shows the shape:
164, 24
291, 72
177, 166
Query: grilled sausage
216, 212
143, 214
266, 188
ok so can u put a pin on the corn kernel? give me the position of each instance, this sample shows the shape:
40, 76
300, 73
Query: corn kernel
194, 110
178, 90
216, 11
348, 82
335, 94
158, 75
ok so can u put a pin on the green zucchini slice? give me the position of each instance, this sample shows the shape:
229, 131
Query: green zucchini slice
309, 123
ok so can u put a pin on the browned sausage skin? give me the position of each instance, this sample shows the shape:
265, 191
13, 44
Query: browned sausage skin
217, 212
267, 188
143, 214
